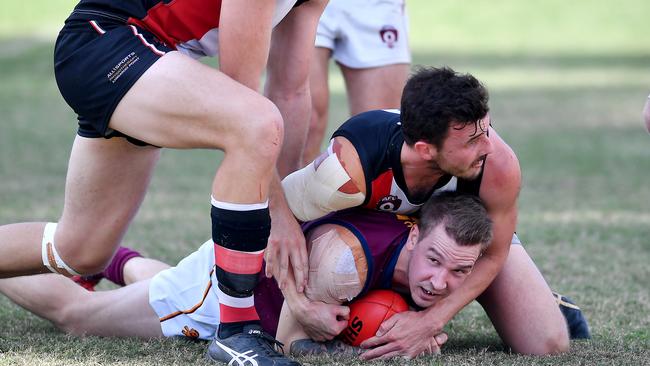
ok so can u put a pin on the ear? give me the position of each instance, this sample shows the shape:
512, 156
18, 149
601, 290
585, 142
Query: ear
425, 150
412, 239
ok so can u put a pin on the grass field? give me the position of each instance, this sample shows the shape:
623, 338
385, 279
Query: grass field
568, 81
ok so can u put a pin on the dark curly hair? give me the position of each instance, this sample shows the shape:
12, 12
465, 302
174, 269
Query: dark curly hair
435, 98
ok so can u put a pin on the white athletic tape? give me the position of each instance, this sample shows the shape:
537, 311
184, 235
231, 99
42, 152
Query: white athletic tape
337, 269
313, 193
50, 256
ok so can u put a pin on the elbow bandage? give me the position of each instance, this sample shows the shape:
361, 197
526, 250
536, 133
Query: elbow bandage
50, 256
313, 192
337, 269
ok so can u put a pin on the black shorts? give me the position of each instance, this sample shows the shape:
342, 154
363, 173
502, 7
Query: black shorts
96, 62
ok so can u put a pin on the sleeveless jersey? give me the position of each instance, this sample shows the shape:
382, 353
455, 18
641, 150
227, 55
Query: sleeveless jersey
190, 26
377, 137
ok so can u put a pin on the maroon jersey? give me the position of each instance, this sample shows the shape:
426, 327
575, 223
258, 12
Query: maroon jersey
382, 236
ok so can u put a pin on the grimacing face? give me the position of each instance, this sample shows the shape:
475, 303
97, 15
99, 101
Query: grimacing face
437, 264
465, 148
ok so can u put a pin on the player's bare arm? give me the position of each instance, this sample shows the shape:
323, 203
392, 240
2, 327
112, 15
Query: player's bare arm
333, 181
411, 334
316, 314
288, 87
312, 193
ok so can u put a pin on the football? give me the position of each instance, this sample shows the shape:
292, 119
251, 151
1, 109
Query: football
368, 312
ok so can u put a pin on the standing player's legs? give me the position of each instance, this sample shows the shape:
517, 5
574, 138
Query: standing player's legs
320, 96
124, 312
375, 87
522, 308
105, 185
205, 108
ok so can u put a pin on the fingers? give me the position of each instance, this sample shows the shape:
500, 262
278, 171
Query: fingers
380, 352
387, 325
340, 326
304, 259
299, 271
269, 258
372, 342
342, 312
281, 271
441, 339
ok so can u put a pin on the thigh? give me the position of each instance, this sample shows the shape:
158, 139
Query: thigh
521, 306
375, 88
121, 80
106, 182
181, 103
124, 312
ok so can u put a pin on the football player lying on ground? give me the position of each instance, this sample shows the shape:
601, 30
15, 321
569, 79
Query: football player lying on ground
441, 139
350, 252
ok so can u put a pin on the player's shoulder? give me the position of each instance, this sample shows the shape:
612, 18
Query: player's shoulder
502, 174
371, 122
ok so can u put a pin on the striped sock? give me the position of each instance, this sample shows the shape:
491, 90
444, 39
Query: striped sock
240, 233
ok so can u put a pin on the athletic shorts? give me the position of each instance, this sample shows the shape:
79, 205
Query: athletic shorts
96, 62
183, 298
364, 34
187, 305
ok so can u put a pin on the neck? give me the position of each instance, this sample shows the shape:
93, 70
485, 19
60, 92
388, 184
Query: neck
400, 274
418, 173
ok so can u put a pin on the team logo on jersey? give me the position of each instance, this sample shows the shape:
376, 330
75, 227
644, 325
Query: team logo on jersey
190, 332
388, 35
389, 203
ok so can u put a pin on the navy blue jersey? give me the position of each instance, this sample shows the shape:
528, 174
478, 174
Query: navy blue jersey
378, 139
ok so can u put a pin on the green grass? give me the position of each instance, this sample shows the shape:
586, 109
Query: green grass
567, 82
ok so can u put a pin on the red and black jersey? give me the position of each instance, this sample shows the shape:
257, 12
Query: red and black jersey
191, 26
378, 139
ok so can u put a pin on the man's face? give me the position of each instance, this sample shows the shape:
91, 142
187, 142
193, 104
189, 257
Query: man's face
465, 148
437, 265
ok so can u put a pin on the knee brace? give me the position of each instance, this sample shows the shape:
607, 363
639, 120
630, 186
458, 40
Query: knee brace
50, 256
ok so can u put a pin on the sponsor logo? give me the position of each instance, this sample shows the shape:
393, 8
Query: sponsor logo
351, 333
121, 67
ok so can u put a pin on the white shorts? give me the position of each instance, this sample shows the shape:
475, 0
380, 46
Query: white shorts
364, 34
183, 299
